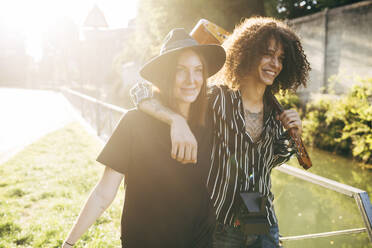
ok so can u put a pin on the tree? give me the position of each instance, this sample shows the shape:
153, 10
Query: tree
156, 18
296, 8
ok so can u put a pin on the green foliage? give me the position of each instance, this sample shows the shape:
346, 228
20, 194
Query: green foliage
8, 228
156, 18
342, 124
296, 8
43, 189
358, 120
322, 127
16, 193
288, 100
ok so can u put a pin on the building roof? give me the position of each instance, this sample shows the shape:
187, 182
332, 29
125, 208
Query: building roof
95, 19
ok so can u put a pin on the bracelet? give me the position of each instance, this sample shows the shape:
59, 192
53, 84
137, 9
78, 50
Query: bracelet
69, 244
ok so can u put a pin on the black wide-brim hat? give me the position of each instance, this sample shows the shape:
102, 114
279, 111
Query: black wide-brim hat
176, 41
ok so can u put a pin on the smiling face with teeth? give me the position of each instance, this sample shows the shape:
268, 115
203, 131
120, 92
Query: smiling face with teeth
247, 53
271, 63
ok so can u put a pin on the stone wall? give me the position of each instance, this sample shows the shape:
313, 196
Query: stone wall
337, 42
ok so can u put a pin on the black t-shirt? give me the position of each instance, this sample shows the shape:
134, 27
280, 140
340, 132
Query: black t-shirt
166, 202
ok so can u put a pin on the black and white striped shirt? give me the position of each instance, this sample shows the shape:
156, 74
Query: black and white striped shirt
234, 153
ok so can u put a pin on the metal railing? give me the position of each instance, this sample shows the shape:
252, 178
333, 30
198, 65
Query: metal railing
360, 196
103, 117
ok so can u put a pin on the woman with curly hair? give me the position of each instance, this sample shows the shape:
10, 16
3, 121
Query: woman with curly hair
250, 41
263, 55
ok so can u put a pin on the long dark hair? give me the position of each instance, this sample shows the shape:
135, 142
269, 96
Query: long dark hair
199, 107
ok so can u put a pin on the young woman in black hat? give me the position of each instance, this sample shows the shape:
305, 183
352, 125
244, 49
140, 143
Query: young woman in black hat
249, 137
166, 203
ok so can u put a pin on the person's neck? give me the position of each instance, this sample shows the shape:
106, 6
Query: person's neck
252, 95
183, 109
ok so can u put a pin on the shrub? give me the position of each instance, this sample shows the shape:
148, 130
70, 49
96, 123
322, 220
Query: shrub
342, 124
358, 120
288, 100
321, 127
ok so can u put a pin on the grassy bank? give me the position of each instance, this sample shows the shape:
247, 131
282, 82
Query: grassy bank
43, 188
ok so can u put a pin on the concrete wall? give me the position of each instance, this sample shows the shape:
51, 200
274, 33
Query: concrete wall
337, 42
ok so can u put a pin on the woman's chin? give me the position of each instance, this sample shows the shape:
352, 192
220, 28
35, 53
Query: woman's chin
188, 99
267, 82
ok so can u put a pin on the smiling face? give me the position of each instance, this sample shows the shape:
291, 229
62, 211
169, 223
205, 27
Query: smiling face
270, 64
188, 78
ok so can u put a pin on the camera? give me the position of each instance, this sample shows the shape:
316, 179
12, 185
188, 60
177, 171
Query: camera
252, 215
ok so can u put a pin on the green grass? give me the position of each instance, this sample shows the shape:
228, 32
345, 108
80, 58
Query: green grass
43, 188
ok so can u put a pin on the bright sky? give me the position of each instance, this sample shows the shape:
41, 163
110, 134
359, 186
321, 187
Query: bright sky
33, 17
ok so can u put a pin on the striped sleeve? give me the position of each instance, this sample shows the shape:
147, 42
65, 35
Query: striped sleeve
140, 92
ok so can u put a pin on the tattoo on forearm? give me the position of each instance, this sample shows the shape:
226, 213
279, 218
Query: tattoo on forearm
154, 108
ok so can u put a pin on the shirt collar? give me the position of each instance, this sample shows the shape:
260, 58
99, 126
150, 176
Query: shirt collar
233, 111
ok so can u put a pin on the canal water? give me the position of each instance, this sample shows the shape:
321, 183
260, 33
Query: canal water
305, 208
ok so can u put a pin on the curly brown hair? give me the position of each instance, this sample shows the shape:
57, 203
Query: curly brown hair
250, 41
